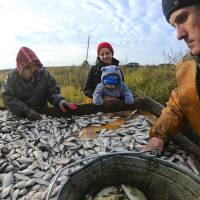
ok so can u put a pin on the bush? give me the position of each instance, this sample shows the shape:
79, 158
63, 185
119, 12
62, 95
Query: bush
153, 81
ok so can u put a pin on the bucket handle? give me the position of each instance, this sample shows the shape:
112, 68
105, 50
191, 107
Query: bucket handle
153, 153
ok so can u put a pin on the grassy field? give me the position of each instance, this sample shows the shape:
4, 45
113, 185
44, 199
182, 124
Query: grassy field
153, 81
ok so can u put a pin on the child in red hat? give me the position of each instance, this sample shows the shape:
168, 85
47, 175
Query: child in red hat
105, 57
30, 85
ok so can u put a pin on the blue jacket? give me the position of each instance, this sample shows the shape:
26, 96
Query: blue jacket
94, 77
120, 91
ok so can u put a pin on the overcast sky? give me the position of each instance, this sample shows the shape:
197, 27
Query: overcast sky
57, 30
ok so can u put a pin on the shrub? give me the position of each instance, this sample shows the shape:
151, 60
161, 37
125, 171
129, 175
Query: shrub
153, 81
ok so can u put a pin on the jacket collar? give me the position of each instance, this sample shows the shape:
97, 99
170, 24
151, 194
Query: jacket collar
190, 56
37, 78
100, 64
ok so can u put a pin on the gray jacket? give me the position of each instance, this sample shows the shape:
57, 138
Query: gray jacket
19, 97
121, 90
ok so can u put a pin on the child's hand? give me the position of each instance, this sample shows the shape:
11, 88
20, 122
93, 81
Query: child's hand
109, 99
129, 99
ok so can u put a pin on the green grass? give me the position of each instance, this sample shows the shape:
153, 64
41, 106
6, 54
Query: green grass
153, 81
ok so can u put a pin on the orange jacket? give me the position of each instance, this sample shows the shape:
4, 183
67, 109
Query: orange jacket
184, 103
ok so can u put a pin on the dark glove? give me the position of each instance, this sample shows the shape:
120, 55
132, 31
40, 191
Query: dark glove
33, 115
63, 105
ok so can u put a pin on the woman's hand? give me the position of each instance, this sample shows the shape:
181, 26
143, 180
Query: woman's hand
64, 106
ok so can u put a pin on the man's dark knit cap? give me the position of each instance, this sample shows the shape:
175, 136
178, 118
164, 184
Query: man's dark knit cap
169, 6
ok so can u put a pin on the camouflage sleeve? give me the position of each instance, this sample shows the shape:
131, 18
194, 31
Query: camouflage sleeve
53, 94
171, 120
88, 85
11, 102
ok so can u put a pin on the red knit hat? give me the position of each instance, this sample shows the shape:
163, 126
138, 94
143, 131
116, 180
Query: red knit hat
104, 45
26, 56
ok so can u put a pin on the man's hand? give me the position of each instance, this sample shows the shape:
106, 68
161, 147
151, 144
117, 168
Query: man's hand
33, 115
155, 143
63, 105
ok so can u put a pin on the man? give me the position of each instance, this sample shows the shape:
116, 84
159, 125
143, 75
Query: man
184, 103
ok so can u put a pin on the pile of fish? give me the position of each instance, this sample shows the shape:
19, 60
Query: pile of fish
122, 192
32, 153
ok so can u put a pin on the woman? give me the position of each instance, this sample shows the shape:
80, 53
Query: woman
105, 57
30, 85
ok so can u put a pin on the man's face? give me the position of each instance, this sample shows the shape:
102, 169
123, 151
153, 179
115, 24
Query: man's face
187, 24
105, 55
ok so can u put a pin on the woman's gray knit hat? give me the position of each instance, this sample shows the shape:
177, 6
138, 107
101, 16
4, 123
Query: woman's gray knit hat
169, 6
